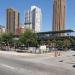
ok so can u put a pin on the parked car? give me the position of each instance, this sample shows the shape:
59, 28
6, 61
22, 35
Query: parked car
22, 48
60, 48
73, 48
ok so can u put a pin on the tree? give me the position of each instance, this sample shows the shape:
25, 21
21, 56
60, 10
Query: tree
7, 38
41, 42
72, 41
67, 43
54, 43
60, 43
28, 38
49, 42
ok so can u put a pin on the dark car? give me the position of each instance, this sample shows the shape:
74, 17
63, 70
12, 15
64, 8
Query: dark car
73, 49
60, 48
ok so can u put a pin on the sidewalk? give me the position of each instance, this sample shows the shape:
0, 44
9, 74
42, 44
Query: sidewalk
13, 53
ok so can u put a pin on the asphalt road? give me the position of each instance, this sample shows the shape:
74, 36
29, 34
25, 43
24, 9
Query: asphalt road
35, 65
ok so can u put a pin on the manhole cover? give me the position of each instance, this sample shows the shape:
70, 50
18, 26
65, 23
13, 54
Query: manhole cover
73, 66
73, 55
61, 61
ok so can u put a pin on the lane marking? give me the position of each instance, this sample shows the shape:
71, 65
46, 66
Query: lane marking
7, 66
18, 70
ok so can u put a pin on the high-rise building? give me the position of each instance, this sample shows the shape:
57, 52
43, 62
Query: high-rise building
33, 19
28, 20
12, 20
59, 7
36, 18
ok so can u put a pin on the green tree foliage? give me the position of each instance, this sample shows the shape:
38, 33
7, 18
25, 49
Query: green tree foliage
49, 42
54, 43
60, 43
28, 38
72, 41
7, 38
67, 43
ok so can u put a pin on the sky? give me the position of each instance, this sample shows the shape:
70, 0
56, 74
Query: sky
47, 12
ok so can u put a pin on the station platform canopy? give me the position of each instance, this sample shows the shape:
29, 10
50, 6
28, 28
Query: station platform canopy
55, 32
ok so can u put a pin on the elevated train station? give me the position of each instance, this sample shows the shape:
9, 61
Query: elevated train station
50, 35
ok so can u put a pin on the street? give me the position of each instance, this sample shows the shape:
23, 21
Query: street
37, 65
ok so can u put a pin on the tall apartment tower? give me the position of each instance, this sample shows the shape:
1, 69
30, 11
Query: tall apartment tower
28, 20
59, 7
12, 20
36, 18
33, 19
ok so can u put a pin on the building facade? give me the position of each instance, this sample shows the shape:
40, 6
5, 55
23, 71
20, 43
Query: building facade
33, 19
12, 20
59, 7
28, 20
36, 18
